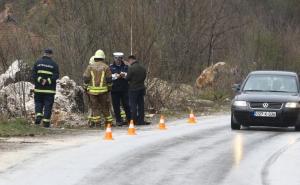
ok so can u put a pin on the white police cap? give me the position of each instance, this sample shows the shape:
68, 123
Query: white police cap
118, 54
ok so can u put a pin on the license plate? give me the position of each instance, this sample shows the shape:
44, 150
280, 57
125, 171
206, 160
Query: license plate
265, 114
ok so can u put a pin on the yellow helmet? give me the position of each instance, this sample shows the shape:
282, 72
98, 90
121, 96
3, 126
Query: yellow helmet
92, 60
99, 54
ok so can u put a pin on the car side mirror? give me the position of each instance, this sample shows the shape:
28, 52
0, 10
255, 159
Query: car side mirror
236, 87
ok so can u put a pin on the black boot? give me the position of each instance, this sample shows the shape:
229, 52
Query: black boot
46, 124
38, 121
126, 123
144, 123
119, 124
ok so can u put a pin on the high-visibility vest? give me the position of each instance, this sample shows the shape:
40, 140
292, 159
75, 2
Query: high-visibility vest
93, 89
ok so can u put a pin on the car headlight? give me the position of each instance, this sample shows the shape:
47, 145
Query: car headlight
240, 103
292, 105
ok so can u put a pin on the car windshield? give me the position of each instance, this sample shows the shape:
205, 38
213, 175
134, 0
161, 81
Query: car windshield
271, 83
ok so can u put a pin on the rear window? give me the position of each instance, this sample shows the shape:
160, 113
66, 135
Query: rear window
271, 83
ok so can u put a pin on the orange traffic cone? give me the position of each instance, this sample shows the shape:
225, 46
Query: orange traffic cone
108, 133
131, 129
192, 118
162, 125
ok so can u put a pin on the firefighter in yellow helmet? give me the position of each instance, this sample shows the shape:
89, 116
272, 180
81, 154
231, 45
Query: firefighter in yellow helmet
98, 82
92, 59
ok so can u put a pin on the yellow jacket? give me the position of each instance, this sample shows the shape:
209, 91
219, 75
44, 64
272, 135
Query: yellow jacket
98, 78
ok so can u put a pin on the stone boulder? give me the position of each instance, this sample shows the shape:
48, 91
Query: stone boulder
69, 96
69, 103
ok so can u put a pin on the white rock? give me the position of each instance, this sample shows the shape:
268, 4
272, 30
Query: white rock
66, 94
10, 72
17, 95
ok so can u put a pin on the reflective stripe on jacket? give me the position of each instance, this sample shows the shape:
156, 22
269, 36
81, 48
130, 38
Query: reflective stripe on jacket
45, 69
97, 76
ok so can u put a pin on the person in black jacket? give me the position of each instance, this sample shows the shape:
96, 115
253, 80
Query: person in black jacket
119, 91
136, 77
45, 72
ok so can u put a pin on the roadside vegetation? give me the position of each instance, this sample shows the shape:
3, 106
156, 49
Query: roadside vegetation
21, 127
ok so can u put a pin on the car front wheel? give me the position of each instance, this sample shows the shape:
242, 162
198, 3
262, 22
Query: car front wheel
235, 125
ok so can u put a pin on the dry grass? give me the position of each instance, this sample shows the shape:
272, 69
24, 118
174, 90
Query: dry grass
20, 127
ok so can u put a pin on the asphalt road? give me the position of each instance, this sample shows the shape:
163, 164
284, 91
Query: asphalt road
207, 153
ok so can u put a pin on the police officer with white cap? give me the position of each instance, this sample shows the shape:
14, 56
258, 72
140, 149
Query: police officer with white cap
119, 91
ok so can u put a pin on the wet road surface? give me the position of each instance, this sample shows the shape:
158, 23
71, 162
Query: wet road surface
207, 153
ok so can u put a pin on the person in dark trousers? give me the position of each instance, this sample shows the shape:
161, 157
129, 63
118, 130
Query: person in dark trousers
119, 93
45, 72
136, 77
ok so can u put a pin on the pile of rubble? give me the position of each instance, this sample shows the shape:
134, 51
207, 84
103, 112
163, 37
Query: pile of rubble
17, 71
17, 99
208, 75
164, 95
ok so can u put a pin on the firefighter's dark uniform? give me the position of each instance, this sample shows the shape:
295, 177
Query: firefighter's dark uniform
44, 69
119, 92
97, 78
